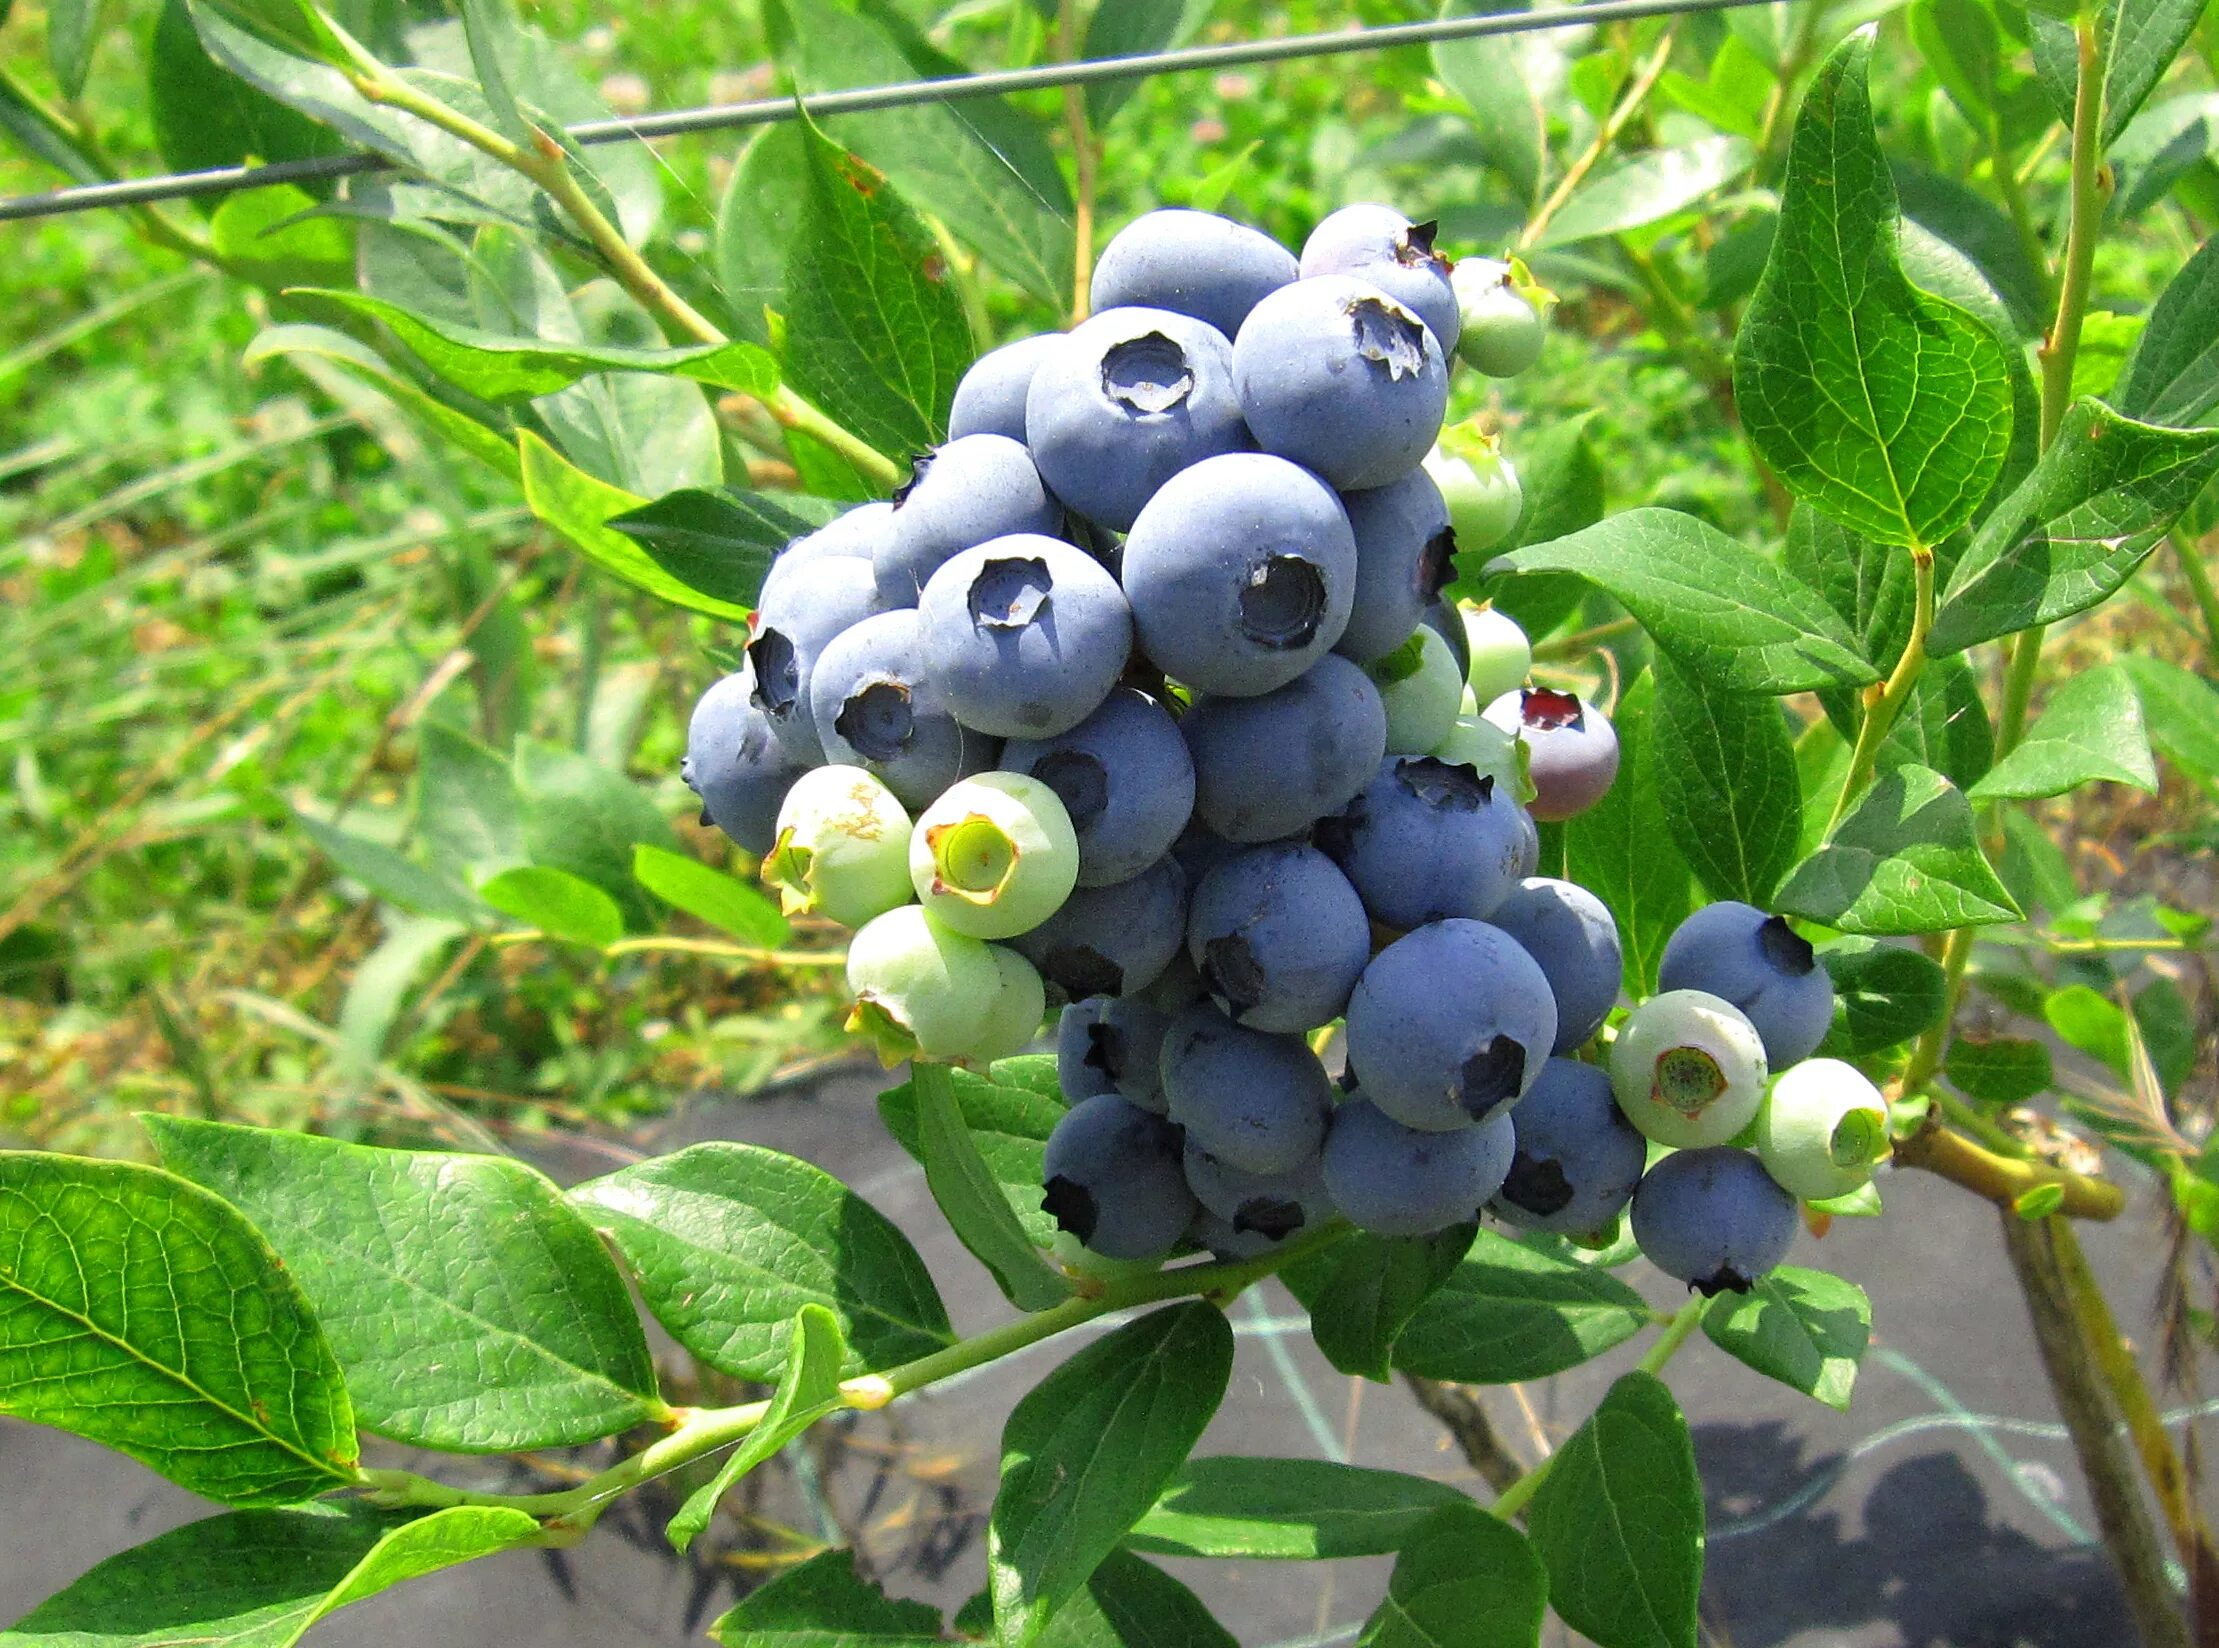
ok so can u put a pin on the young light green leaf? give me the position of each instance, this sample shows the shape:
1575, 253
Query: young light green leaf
708, 894
825, 1603
467, 808
381, 983
472, 1309
1465, 1580
580, 508
1725, 774
586, 818
2087, 1020
72, 31
729, 1240
1804, 1328
721, 541
1135, 28
972, 1197
276, 237
261, 1579
1725, 612
143, 1313
807, 1391
558, 903
1511, 81
1008, 1118
492, 447
1907, 859
2073, 530
2091, 729
1621, 848
1648, 188
385, 874
1510, 1312
2173, 375
1998, 1069
1618, 1522
1884, 994
1885, 407
1297, 1510
1090, 1449
1373, 1287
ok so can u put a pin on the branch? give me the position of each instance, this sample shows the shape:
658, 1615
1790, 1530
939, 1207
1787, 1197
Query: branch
1469, 1428
1950, 1155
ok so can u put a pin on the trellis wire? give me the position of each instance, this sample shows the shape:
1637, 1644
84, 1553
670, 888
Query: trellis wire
862, 99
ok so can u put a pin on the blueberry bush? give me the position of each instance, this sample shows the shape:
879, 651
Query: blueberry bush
1439, 893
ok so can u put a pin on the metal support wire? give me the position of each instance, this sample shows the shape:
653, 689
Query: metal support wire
861, 99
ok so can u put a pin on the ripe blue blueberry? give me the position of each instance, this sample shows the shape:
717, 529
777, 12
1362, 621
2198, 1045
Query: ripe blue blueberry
1567, 930
875, 708
1082, 1069
1280, 937
1024, 636
842, 849
1404, 546
1192, 263
990, 399
1382, 246
856, 534
1505, 315
1125, 401
963, 493
1240, 571
1272, 766
1427, 839
1449, 1025
1125, 778
737, 765
1123, 1042
1761, 965
1114, 940
1713, 1218
1578, 1158
791, 631
1254, 1100
1572, 753
1336, 375
1112, 1178
994, 856
1250, 1213
1823, 1129
1394, 1180
1688, 1068
1420, 691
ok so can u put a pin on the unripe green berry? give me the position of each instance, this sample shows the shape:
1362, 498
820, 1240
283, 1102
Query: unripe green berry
1502, 657
1823, 1129
1478, 484
1504, 314
995, 856
842, 849
920, 989
1688, 1069
1489, 751
1080, 1260
1421, 689
1013, 1016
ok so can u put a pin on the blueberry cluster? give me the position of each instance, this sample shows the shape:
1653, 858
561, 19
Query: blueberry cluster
1141, 695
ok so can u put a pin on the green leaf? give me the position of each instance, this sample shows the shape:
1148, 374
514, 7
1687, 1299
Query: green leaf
1128, 1603
2182, 710
558, 903
2073, 530
1907, 859
472, 1309
1722, 610
1802, 1327
2173, 375
1009, 1120
758, 218
1648, 188
708, 894
1957, 244
496, 50
586, 818
143, 1313
1725, 774
380, 986
1298, 1510
729, 1240
1373, 1287
1619, 1522
580, 508
972, 1197
27, 128
2091, 729
205, 117
1868, 585
467, 808
1091, 1448
261, 1579
875, 331
385, 874
1621, 848
1998, 1069
1465, 1580
1885, 407
1511, 81
1511, 1312
1884, 994
72, 31
2039, 1202
2088, 1021
2136, 42
720, 541
448, 427
825, 1603
807, 1391
269, 237
1944, 725
1134, 28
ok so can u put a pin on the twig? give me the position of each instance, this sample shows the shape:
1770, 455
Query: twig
1470, 1429
1637, 91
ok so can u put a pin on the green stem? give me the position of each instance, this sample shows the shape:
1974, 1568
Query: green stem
2199, 585
1964, 1116
2013, 194
1880, 713
2089, 186
2018, 687
1933, 1044
1639, 84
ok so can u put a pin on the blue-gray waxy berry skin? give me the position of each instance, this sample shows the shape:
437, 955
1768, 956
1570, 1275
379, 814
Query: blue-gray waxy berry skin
1449, 1024
1763, 966
1124, 776
1255, 1212
990, 399
1081, 1069
1578, 1158
1024, 635
736, 764
1271, 766
1335, 375
962, 493
1394, 1180
1127, 399
1379, 244
1713, 1218
1571, 933
1403, 551
1427, 839
1256, 1101
1241, 571
1114, 940
1441, 616
1193, 263
1112, 1044
855, 534
794, 625
1112, 1177
876, 708
1280, 937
